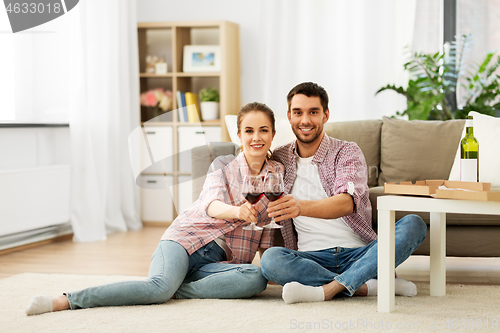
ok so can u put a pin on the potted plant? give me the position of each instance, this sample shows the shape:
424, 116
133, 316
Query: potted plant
209, 98
435, 78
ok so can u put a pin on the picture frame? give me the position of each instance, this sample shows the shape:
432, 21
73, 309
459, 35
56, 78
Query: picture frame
201, 58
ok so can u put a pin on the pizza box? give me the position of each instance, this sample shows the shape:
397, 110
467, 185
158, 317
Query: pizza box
467, 191
430, 187
445, 189
420, 187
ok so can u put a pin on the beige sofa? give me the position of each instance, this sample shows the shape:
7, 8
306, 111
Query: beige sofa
398, 150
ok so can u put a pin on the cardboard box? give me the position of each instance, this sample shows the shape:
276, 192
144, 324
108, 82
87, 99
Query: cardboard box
456, 189
468, 191
420, 187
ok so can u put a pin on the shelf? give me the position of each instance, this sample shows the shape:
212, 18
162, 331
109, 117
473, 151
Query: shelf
180, 74
152, 75
167, 40
216, 122
198, 74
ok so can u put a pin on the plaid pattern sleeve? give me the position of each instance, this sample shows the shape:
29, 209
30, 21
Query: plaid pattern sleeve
194, 227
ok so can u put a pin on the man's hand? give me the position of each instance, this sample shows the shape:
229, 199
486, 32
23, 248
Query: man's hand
286, 207
247, 212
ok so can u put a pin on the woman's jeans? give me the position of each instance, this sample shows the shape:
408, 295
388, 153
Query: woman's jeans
173, 270
351, 267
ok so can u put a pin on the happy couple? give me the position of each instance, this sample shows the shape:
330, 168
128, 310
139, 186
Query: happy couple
330, 246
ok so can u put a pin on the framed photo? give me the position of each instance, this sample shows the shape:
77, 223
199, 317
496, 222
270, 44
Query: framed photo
201, 58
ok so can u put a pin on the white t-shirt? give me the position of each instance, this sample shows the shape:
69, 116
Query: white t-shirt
316, 234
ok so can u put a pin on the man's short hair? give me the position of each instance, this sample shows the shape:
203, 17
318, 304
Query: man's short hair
310, 89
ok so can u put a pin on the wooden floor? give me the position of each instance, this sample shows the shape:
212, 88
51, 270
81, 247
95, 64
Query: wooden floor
129, 253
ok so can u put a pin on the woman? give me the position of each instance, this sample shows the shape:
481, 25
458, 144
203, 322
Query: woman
205, 253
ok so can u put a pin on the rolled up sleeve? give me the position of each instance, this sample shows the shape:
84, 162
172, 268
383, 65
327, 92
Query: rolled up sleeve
352, 175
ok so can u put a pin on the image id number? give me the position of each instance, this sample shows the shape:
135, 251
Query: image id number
34, 8
471, 324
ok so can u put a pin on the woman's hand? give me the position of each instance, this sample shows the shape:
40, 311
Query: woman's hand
247, 212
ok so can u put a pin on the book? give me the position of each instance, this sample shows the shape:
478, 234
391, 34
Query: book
184, 108
179, 107
192, 107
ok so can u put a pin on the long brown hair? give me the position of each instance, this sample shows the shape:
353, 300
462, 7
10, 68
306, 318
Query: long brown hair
259, 107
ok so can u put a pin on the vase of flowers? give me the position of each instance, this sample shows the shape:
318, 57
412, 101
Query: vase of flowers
157, 100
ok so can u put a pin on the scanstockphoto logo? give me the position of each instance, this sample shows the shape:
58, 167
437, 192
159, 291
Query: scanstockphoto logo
26, 14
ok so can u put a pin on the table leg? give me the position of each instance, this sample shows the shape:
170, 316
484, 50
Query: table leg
438, 254
386, 260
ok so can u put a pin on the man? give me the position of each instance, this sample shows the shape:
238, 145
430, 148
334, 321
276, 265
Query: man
331, 247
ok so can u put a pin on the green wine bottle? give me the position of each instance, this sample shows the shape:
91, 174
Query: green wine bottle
469, 154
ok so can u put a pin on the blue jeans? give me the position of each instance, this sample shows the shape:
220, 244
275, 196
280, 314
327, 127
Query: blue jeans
351, 267
173, 270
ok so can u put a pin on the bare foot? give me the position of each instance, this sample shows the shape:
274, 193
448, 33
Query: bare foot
362, 291
60, 303
333, 288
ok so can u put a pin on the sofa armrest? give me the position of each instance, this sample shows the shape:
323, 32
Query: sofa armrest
202, 157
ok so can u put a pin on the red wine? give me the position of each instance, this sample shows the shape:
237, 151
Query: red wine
252, 197
273, 195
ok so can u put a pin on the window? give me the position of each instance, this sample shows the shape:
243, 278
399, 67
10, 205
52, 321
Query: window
35, 71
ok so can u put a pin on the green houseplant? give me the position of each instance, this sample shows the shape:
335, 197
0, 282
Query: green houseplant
209, 94
434, 76
209, 103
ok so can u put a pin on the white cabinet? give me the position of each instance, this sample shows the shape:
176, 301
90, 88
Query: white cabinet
165, 188
157, 203
158, 158
184, 189
194, 136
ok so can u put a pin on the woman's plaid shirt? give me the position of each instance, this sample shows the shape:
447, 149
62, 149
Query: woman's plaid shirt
194, 227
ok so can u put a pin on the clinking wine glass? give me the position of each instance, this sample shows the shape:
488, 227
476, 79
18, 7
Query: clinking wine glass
253, 188
273, 190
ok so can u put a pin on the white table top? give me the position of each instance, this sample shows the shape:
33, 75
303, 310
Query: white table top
429, 204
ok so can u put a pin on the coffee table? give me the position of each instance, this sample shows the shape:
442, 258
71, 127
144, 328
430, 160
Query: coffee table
387, 206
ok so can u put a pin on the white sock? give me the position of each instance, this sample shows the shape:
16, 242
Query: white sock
401, 287
39, 304
372, 287
294, 292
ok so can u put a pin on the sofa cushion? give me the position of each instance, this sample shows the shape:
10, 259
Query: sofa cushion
366, 133
417, 149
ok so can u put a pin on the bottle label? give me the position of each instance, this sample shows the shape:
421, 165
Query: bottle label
469, 123
468, 170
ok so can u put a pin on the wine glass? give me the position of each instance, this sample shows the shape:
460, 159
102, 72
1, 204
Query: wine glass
253, 188
273, 190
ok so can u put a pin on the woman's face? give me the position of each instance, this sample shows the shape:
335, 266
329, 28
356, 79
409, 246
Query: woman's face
256, 134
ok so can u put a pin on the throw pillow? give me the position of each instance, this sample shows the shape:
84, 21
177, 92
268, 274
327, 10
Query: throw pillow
487, 133
366, 133
284, 133
417, 149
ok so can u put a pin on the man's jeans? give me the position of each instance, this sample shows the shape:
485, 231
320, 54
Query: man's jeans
173, 270
351, 267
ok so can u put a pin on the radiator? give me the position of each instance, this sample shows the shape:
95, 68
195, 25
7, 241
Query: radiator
34, 199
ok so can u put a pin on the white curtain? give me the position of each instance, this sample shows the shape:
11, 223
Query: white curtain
351, 48
104, 109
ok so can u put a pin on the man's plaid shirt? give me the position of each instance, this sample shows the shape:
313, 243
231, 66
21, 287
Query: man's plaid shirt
194, 227
339, 163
